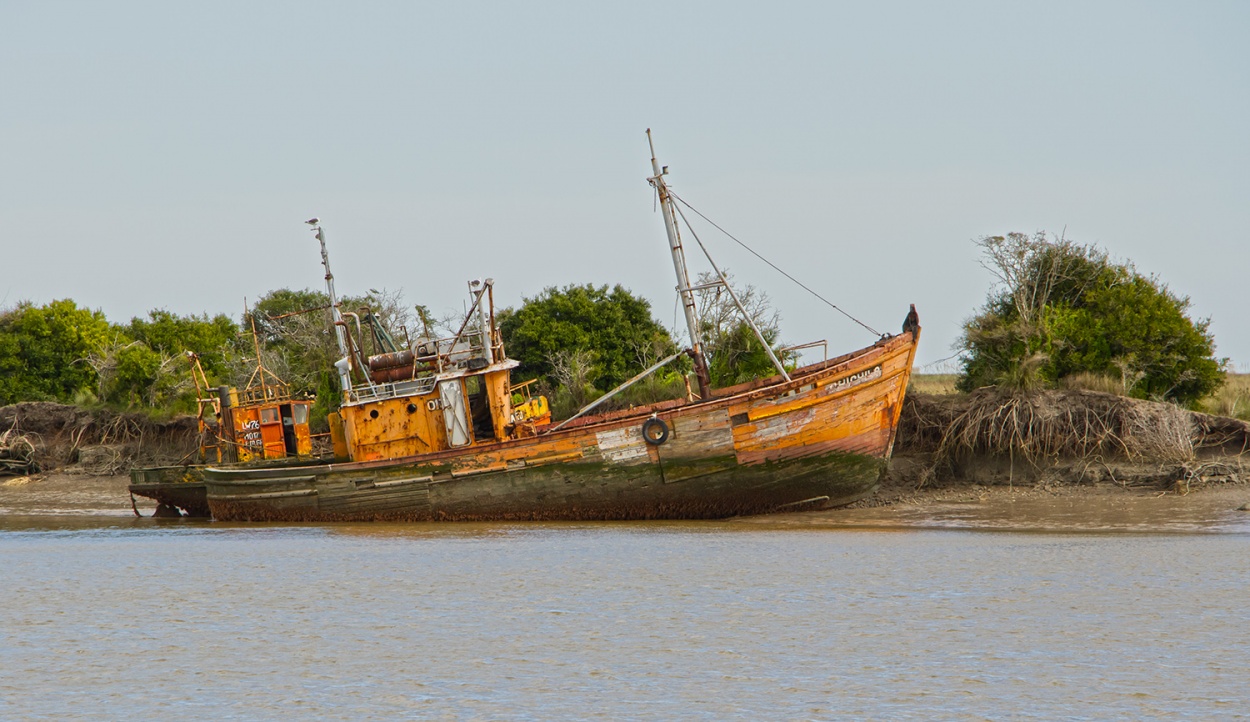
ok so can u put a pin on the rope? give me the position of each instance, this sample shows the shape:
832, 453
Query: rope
942, 360
745, 316
870, 329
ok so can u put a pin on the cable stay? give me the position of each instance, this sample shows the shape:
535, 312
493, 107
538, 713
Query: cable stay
724, 283
774, 266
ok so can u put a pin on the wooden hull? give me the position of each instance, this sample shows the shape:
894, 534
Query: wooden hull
181, 487
820, 440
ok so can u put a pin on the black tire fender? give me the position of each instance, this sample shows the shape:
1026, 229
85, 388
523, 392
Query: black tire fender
654, 431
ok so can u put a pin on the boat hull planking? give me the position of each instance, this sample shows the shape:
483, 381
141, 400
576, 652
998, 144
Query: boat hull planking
180, 487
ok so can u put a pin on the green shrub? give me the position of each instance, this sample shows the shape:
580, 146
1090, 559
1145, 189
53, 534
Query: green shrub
44, 351
1062, 310
559, 327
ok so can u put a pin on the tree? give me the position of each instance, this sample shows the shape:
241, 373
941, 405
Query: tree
614, 326
129, 373
300, 345
573, 372
214, 339
1060, 309
296, 338
145, 363
734, 354
44, 349
279, 313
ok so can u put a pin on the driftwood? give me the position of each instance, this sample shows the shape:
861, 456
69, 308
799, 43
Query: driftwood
17, 453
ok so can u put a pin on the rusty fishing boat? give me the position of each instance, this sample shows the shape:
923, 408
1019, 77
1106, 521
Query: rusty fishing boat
437, 431
263, 420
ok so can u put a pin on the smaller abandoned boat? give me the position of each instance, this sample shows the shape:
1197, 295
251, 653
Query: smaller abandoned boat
263, 421
437, 431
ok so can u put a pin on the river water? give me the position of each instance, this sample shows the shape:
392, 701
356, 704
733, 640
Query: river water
1112, 608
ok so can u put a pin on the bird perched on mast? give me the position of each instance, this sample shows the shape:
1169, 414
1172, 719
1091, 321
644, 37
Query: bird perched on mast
911, 324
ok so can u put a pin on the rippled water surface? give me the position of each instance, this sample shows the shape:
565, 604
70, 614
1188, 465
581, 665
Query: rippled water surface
953, 613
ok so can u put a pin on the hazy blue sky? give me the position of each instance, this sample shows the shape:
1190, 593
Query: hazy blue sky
166, 154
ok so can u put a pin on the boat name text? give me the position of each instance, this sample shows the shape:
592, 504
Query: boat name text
857, 378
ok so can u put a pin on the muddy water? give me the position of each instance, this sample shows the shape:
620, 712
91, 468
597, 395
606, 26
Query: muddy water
1125, 607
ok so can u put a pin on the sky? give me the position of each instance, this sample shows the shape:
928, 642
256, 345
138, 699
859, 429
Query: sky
165, 155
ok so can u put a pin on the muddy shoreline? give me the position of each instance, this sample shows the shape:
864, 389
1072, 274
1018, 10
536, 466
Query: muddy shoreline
68, 493
899, 487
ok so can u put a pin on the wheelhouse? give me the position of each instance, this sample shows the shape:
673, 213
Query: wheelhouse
438, 394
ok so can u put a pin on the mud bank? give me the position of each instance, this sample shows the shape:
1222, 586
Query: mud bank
911, 482
68, 494
40, 437
898, 503
1058, 443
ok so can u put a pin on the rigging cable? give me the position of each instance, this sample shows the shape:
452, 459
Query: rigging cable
781, 369
872, 330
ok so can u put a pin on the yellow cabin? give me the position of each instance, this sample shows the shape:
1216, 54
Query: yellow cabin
441, 394
271, 430
262, 421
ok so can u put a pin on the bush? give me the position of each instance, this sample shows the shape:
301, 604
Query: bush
1063, 310
734, 354
595, 336
44, 349
168, 334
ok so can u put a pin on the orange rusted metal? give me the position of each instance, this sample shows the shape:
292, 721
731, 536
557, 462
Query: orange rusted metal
393, 428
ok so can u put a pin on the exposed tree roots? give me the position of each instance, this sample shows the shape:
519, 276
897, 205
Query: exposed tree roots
41, 436
1086, 430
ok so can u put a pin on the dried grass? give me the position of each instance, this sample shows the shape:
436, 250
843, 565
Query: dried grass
1087, 381
1046, 425
1232, 399
933, 384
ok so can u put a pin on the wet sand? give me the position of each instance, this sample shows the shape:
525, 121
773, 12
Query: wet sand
61, 493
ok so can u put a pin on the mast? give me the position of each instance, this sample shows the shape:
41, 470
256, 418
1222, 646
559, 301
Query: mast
485, 317
679, 265
260, 365
335, 317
